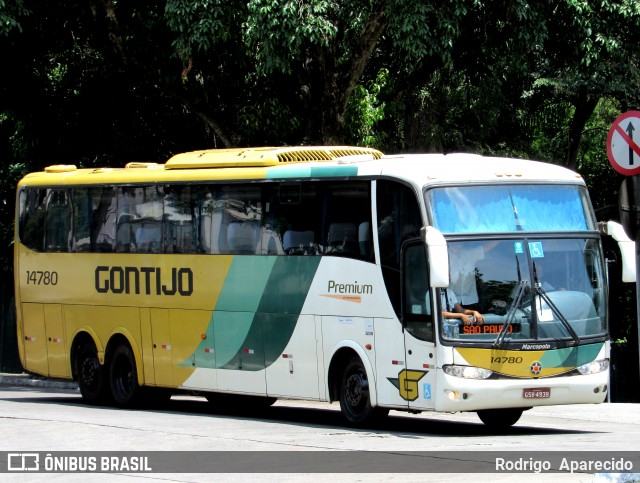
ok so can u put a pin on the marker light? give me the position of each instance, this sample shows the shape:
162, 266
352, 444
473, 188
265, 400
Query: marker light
594, 367
467, 372
452, 395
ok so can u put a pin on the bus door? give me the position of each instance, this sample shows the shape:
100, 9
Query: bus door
417, 380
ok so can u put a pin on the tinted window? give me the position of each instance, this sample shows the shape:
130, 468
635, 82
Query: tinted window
315, 218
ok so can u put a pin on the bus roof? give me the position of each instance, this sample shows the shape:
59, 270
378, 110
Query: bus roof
435, 169
296, 163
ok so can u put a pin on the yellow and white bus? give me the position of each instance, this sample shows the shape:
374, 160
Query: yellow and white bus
317, 273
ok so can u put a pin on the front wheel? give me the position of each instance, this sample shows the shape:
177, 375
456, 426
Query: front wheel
355, 401
500, 418
123, 377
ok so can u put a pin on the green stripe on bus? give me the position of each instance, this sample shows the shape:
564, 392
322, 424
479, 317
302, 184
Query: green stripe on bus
256, 312
300, 171
571, 356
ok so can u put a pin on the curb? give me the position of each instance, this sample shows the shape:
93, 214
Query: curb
26, 380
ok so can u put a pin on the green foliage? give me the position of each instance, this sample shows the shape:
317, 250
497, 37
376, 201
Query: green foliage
364, 111
269, 122
10, 13
202, 24
278, 32
426, 29
603, 181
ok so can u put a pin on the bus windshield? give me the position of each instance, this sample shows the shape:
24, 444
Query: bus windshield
526, 289
511, 208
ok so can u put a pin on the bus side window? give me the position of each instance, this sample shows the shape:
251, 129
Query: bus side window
292, 216
82, 208
365, 240
417, 308
179, 207
346, 218
57, 221
211, 238
296, 242
103, 220
398, 220
240, 207
140, 212
342, 239
32, 213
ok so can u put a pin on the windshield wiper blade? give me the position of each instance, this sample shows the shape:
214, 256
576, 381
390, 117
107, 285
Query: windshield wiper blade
543, 295
511, 314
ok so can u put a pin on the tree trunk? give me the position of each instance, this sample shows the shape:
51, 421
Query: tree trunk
585, 105
340, 80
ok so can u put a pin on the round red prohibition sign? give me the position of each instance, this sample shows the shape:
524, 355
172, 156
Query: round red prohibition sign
623, 143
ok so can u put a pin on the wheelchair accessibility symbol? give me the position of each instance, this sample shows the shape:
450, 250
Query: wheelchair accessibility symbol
426, 390
535, 248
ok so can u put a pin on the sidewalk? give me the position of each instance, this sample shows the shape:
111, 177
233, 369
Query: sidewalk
28, 380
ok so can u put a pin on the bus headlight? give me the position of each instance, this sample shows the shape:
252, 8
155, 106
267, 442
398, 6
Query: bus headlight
467, 372
594, 367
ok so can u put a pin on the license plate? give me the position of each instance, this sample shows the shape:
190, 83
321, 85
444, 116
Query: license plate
537, 393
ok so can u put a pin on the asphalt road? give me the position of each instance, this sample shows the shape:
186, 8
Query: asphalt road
46, 417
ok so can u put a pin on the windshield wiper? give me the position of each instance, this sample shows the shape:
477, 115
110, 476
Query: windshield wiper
511, 314
543, 295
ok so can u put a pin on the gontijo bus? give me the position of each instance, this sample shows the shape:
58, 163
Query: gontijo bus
316, 273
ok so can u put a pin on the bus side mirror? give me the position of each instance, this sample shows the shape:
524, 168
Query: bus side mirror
627, 249
438, 257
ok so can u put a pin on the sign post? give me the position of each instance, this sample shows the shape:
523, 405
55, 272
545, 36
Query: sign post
624, 155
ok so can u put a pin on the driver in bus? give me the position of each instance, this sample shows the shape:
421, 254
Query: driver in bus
463, 259
452, 309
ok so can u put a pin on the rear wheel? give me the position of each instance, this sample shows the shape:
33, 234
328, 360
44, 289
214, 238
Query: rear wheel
500, 418
123, 377
92, 378
355, 401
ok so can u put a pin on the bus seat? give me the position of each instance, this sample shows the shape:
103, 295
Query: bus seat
270, 242
148, 237
342, 238
298, 242
364, 239
243, 237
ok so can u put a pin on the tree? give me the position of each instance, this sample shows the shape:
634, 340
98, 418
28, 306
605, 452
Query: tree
311, 55
591, 53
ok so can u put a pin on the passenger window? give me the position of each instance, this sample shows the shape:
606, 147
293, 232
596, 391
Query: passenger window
240, 207
32, 215
103, 219
179, 206
57, 221
348, 219
322, 218
140, 211
293, 215
82, 209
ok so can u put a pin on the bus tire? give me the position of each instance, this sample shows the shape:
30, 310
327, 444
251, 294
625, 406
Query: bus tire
355, 402
92, 377
500, 418
123, 377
